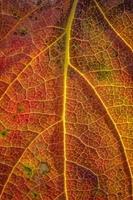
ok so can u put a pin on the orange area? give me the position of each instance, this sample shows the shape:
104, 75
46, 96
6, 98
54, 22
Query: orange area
66, 100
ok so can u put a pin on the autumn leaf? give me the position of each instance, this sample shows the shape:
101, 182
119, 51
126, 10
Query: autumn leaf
66, 105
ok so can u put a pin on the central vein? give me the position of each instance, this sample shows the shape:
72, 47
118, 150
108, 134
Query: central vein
66, 64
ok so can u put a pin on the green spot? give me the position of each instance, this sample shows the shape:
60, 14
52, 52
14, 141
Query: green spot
103, 75
34, 195
28, 170
20, 108
4, 133
23, 31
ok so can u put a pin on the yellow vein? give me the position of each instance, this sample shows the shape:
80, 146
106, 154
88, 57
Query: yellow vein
66, 64
118, 34
24, 153
42, 51
111, 119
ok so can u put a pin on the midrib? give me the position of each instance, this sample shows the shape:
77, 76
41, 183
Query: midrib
66, 64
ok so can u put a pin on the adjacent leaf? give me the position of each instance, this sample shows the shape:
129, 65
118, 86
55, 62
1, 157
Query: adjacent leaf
66, 106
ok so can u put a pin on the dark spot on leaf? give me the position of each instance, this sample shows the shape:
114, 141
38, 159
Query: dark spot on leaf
20, 108
14, 117
23, 31
4, 133
103, 75
34, 195
28, 170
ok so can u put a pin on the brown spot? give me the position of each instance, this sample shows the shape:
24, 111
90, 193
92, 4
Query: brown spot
44, 168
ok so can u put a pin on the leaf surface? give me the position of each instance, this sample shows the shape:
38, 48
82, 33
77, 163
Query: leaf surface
66, 105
